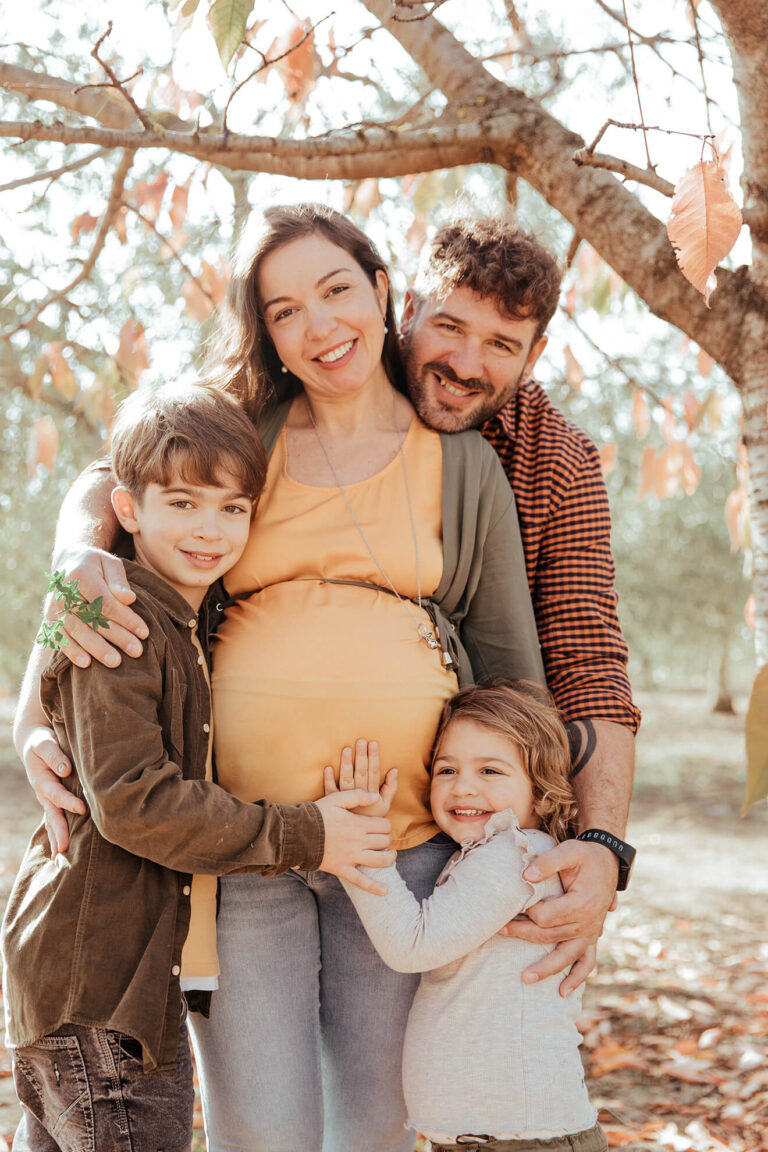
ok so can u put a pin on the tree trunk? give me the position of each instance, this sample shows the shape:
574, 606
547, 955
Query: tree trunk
723, 698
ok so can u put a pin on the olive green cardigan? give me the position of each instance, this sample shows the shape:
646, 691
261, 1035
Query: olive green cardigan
482, 607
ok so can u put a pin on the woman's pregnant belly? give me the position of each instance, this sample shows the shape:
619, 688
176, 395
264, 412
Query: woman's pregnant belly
303, 668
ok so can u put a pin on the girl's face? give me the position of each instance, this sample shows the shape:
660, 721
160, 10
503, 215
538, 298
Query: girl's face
475, 773
324, 316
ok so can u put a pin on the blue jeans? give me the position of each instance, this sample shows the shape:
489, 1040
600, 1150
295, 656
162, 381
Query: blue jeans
84, 1090
303, 1048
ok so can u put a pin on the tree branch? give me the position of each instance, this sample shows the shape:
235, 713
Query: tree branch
100, 105
54, 173
118, 183
340, 155
584, 156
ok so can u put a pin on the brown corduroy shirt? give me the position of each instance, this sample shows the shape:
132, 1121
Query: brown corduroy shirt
95, 937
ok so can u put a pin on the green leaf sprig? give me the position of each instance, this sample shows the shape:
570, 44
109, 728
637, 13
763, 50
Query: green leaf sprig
67, 593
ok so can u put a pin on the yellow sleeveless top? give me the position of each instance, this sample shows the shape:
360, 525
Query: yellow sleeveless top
303, 667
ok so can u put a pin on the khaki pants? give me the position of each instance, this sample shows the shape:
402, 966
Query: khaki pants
591, 1141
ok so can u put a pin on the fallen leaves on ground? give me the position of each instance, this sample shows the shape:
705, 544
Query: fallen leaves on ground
676, 1036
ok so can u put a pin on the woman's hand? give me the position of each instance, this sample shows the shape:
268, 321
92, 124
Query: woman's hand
100, 574
363, 770
45, 764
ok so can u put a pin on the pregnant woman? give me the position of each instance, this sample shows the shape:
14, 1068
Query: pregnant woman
384, 567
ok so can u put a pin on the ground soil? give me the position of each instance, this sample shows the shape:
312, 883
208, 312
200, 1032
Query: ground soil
676, 1031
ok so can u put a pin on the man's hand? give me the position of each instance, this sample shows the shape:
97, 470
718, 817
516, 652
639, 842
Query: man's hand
45, 763
362, 769
352, 840
574, 920
100, 574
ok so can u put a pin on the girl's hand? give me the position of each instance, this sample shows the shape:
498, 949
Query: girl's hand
362, 769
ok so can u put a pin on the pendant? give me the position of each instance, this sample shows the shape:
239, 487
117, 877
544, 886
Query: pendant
427, 636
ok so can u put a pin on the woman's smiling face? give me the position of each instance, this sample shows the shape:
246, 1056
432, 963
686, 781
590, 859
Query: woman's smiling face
325, 317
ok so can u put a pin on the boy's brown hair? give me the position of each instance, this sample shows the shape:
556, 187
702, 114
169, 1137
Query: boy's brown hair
195, 431
524, 713
497, 260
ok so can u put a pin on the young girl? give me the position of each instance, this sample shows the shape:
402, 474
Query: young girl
488, 1062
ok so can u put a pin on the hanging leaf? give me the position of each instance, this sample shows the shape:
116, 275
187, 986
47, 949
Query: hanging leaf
43, 445
691, 407
149, 196
215, 279
608, 457
198, 306
83, 223
704, 224
641, 414
667, 472
705, 362
62, 376
571, 300
735, 512
573, 372
711, 411
690, 472
668, 423
120, 226
131, 356
228, 20
179, 201
366, 197
35, 381
647, 472
299, 61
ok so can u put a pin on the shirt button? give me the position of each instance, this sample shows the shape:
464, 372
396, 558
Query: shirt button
206, 727
186, 890
192, 624
175, 970
200, 660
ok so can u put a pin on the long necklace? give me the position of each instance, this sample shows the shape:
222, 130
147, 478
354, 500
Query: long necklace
423, 632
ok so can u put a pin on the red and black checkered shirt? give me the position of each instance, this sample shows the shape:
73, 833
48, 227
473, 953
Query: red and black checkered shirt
565, 522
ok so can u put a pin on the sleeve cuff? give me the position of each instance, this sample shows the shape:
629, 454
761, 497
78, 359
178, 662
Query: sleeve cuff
303, 836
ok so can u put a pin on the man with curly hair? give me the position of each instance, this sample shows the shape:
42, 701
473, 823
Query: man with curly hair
473, 329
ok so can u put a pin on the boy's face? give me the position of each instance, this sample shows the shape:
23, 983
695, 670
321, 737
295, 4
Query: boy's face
188, 534
477, 772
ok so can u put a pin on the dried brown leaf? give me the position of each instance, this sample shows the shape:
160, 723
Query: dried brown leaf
43, 445
704, 224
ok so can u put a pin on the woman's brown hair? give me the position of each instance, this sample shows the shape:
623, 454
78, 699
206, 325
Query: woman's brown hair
524, 713
244, 361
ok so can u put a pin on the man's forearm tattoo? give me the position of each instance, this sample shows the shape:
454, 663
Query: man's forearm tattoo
583, 739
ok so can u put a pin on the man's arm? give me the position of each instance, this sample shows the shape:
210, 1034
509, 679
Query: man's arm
86, 527
86, 530
565, 519
574, 921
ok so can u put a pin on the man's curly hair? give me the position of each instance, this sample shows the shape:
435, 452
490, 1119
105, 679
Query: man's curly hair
495, 259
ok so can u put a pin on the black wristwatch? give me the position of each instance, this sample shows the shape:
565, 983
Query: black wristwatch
624, 852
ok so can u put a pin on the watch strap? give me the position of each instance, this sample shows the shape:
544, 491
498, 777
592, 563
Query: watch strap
623, 852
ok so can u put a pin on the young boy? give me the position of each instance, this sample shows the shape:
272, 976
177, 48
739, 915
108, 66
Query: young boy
99, 945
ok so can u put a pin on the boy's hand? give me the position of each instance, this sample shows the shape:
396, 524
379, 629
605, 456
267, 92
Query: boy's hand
100, 574
352, 840
363, 770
